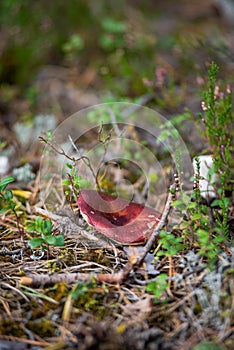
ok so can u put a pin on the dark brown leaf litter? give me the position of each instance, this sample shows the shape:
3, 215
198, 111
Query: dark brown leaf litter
89, 334
113, 315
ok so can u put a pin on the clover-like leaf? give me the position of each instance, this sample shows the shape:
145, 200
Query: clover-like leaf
35, 242
59, 240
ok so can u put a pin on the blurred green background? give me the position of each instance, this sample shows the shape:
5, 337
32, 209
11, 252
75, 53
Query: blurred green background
111, 51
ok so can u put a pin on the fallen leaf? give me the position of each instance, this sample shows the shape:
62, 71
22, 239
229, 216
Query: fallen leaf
118, 219
22, 193
143, 305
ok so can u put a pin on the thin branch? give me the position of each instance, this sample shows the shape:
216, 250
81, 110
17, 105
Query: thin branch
45, 279
86, 161
61, 152
158, 228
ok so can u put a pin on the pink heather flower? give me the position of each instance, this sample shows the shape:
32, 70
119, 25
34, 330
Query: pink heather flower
216, 91
203, 106
160, 74
228, 89
200, 80
147, 82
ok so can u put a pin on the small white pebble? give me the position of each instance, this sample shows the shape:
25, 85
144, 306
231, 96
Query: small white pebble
4, 165
206, 188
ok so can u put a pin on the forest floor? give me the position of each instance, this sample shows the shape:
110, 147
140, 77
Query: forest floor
52, 299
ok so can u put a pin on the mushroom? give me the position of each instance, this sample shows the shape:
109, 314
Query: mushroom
124, 222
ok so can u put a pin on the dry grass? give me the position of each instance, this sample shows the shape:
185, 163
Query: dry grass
198, 305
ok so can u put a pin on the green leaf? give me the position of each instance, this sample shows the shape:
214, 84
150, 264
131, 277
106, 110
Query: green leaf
219, 239
66, 182
178, 204
68, 165
226, 202
59, 240
112, 26
195, 217
5, 181
2, 211
184, 225
210, 173
8, 195
49, 134
50, 240
35, 242
38, 224
81, 289
83, 183
74, 44
208, 346
192, 205
46, 226
159, 286
31, 226
215, 203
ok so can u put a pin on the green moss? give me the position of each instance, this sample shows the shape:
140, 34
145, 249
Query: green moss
59, 291
197, 309
92, 302
43, 327
98, 256
10, 326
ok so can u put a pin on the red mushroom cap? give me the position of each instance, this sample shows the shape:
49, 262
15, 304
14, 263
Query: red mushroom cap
123, 221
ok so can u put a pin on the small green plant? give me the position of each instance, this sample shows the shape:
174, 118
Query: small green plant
159, 286
124, 47
170, 244
217, 108
80, 289
73, 183
84, 297
208, 246
7, 200
113, 34
73, 46
47, 238
197, 229
206, 226
218, 120
6, 195
208, 346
